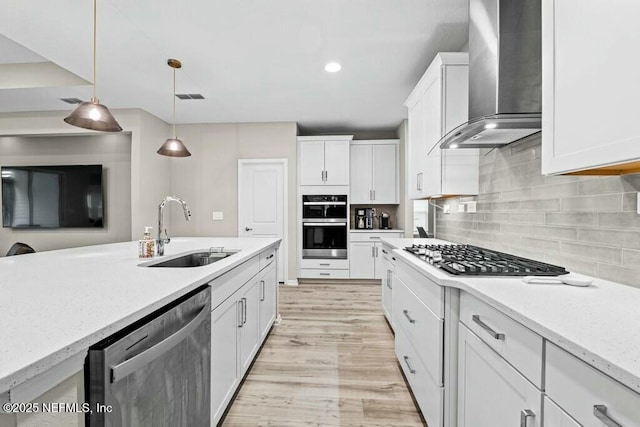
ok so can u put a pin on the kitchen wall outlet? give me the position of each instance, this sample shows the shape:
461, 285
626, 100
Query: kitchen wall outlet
471, 207
446, 209
217, 216
461, 207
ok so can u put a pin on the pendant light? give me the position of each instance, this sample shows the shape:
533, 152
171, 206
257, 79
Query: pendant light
173, 147
93, 115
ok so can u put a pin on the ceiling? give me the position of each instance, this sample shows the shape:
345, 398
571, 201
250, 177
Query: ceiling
254, 61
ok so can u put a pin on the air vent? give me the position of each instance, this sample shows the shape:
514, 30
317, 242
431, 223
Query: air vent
185, 96
71, 100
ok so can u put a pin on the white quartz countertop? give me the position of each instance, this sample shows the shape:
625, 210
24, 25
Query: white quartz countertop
376, 230
598, 323
54, 305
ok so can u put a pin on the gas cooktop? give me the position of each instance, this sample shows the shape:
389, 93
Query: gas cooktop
468, 260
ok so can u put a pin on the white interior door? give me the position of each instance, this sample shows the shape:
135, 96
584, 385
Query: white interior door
262, 203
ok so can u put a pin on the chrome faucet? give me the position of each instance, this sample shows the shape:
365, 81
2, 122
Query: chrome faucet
160, 242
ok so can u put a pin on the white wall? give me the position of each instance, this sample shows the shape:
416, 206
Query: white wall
150, 173
112, 151
208, 180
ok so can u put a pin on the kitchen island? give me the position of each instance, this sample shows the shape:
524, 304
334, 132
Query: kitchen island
56, 304
571, 345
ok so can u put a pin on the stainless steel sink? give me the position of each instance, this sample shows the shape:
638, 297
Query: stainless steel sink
196, 259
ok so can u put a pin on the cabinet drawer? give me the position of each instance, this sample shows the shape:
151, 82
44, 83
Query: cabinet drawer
423, 328
307, 273
373, 236
430, 293
428, 394
577, 387
517, 344
388, 255
267, 257
325, 264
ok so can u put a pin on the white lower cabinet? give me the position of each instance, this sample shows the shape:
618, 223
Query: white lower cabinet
387, 283
491, 393
419, 341
365, 254
587, 395
225, 363
556, 417
249, 324
268, 295
239, 326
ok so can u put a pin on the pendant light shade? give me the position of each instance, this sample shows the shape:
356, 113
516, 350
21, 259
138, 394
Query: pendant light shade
173, 147
93, 115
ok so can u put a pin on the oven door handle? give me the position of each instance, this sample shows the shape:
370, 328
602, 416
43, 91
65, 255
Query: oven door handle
324, 224
133, 364
324, 203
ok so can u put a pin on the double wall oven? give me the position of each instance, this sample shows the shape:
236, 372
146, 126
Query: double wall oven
324, 226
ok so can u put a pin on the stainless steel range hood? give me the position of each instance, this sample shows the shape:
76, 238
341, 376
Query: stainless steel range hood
505, 74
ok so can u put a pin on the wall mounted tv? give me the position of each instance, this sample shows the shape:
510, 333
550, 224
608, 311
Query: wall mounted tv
52, 196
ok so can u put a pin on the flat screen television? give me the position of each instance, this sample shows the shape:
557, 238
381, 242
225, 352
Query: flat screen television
52, 196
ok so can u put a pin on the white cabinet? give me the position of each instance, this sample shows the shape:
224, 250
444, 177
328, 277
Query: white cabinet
586, 394
365, 255
590, 87
417, 318
374, 172
268, 295
323, 160
239, 325
225, 366
388, 280
438, 104
249, 326
362, 256
491, 392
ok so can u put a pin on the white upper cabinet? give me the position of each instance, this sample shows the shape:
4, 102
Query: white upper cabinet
375, 176
590, 87
323, 160
437, 105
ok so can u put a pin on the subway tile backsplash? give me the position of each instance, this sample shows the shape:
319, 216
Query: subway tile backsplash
587, 224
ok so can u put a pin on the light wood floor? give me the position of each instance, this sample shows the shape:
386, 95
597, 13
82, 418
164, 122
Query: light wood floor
330, 362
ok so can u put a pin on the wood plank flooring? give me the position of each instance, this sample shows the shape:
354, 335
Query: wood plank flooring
330, 362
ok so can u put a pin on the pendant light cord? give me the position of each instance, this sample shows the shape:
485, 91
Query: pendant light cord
174, 104
94, 47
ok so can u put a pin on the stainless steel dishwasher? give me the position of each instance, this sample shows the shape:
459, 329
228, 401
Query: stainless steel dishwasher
155, 372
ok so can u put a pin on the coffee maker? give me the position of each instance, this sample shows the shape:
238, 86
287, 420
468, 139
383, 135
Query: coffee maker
364, 218
385, 221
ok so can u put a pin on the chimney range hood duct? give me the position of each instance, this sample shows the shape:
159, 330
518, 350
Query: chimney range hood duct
505, 74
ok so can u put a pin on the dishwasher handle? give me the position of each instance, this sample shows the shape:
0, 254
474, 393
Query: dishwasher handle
131, 365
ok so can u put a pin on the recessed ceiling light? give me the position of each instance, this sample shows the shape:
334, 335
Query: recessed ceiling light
332, 67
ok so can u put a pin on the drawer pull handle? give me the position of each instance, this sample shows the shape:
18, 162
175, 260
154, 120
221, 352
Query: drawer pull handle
393, 258
374, 237
524, 415
406, 362
406, 314
270, 256
384, 251
325, 264
487, 328
600, 412
325, 274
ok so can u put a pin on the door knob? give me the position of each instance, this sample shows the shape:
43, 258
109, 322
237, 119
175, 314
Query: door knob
248, 229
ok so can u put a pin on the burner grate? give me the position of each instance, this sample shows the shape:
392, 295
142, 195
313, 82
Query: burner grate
469, 260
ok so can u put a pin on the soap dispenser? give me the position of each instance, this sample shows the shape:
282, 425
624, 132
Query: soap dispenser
147, 245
